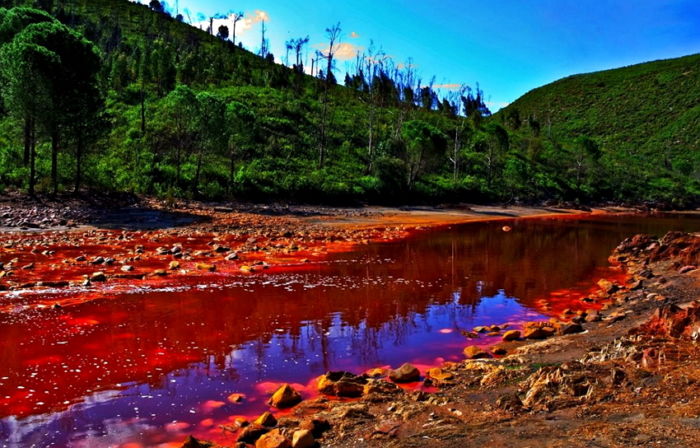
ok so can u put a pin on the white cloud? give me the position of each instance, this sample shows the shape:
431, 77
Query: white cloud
246, 24
343, 51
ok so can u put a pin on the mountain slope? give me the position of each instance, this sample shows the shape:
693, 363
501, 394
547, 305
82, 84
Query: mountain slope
650, 109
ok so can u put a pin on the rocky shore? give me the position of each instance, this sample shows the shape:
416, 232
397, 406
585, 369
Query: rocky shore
625, 373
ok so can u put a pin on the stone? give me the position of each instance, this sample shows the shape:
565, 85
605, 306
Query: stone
438, 374
174, 265
380, 387
127, 268
236, 398
160, 272
273, 439
206, 267
572, 328
341, 384
266, 419
500, 351
251, 433
377, 373
475, 352
686, 269
191, 442
303, 438
231, 257
607, 286
98, 277
511, 335
593, 316
285, 397
407, 373
317, 425
538, 333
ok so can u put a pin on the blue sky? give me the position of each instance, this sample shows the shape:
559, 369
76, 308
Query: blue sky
507, 46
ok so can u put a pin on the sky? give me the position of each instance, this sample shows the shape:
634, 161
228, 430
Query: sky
508, 47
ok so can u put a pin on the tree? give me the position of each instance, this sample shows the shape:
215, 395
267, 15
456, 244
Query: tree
71, 79
240, 123
333, 34
157, 6
424, 146
23, 64
237, 17
223, 32
178, 125
212, 131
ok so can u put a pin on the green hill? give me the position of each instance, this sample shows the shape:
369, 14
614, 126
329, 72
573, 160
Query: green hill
645, 118
183, 113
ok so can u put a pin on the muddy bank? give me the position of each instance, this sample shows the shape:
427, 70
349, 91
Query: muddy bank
626, 374
152, 243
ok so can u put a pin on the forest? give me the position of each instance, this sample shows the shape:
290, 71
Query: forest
113, 95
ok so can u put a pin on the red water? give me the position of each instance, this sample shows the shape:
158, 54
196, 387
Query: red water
147, 366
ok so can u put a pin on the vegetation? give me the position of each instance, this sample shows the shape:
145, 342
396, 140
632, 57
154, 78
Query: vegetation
116, 95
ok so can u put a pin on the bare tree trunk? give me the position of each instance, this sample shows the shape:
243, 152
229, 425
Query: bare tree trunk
54, 161
32, 158
78, 163
27, 137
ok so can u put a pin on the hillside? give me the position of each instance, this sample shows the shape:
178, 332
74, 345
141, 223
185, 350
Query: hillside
182, 113
649, 112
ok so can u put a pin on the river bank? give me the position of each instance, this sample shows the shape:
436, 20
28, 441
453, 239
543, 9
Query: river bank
624, 375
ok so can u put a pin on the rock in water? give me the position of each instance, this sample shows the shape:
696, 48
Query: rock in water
266, 419
405, 374
474, 352
285, 397
511, 335
341, 384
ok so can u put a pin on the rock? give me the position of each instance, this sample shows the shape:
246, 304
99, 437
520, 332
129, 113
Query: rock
303, 439
231, 257
97, 260
538, 333
127, 268
285, 397
251, 433
266, 419
160, 272
206, 267
98, 277
341, 384
174, 265
191, 442
511, 335
222, 249
317, 425
273, 439
572, 328
439, 374
500, 351
607, 286
686, 269
236, 398
475, 352
28, 267
593, 316
380, 388
377, 373
407, 373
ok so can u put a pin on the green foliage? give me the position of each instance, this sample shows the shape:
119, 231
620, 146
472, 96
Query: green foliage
189, 114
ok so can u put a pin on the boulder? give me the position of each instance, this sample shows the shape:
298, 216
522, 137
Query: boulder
303, 439
191, 442
206, 267
341, 384
98, 277
572, 328
511, 335
437, 373
407, 373
273, 439
285, 397
251, 433
538, 333
266, 419
475, 352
